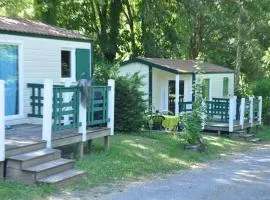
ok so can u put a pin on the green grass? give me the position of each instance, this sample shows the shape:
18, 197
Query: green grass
130, 156
263, 133
146, 154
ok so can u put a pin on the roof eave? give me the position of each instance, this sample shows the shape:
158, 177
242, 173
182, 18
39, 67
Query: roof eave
39, 35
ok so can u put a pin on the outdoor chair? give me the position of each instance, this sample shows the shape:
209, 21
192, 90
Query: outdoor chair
155, 122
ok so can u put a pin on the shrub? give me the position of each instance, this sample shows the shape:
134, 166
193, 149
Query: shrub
129, 103
193, 121
262, 88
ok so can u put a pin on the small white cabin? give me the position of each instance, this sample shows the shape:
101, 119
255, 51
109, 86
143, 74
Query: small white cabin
164, 79
30, 52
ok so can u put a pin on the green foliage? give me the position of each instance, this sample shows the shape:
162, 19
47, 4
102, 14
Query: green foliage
129, 103
261, 88
105, 70
194, 121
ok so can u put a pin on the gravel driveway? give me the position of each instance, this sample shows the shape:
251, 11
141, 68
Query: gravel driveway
244, 176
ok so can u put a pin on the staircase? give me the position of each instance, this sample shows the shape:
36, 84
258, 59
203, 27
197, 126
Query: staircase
41, 165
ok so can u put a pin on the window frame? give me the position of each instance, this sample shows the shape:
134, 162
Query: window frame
72, 65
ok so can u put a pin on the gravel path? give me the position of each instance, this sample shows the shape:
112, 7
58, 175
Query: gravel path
244, 176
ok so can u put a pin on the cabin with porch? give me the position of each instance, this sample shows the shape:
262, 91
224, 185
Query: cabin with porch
168, 86
41, 103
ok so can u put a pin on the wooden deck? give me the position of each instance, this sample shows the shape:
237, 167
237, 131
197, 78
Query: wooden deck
224, 127
25, 136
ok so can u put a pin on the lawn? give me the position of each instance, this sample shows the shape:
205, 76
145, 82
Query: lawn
131, 155
263, 133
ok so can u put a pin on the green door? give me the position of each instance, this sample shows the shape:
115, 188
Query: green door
82, 64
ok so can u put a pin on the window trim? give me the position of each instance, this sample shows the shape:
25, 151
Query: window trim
19, 44
72, 78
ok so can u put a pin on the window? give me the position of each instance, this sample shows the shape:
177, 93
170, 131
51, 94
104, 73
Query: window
65, 64
172, 87
206, 88
9, 72
225, 86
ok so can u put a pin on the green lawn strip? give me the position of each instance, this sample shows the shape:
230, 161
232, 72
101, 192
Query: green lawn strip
263, 133
18, 191
145, 154
131, 155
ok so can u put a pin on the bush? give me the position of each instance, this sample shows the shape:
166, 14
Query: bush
129, 104
262, 88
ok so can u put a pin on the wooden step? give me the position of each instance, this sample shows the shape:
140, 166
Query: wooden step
50, 168
63, 177
25, 160
15, 150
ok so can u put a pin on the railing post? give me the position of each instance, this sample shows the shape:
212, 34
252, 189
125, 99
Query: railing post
82, 119
234, 107
111, 99
47, 112
260, 110
251, 111
242, 112
176, 101
2, 122
231, 114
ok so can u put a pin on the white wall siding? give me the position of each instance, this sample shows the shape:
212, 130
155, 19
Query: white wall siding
41, 59
216, 84
143, 70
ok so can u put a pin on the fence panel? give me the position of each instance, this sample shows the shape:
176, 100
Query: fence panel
65, 108
36, 100
218, 111
97, 111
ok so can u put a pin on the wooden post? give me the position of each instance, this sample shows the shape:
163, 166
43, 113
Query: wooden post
90, 145
111, 96
251, 111
242, 112
2, 122
260, 110
47, 112
82, 120
231, 114
80, 149
176, 100
106, 143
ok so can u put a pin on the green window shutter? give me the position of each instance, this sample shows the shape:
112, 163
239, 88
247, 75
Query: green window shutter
206, 85
225, 86
82, 64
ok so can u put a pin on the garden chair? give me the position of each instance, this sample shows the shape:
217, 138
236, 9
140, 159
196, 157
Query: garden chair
155, 122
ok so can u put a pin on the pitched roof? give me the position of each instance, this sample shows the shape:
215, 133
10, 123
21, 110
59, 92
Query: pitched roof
180, 66
35, 28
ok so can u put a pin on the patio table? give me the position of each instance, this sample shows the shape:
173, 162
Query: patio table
170, 122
